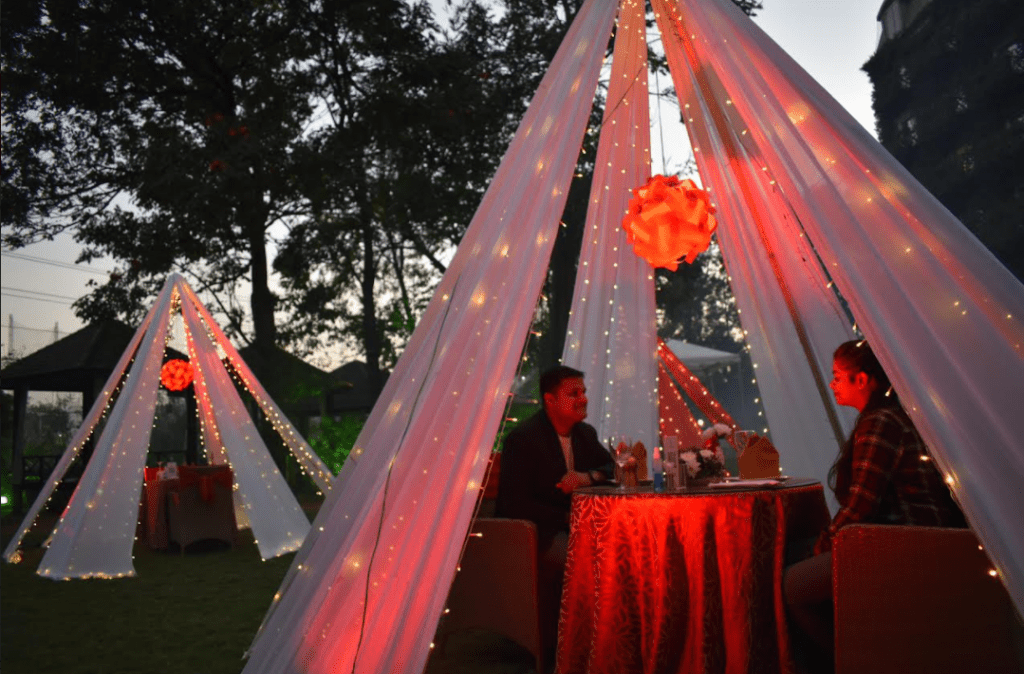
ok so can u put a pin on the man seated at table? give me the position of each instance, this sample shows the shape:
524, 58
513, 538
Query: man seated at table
543, 460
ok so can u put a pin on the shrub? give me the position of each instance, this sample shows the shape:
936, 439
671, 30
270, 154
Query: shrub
334, 439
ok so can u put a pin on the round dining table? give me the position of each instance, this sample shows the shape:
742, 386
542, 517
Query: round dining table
687, 581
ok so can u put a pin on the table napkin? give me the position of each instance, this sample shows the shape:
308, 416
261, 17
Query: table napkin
746, 483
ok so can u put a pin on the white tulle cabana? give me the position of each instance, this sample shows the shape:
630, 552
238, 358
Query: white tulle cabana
808, 202
95, 533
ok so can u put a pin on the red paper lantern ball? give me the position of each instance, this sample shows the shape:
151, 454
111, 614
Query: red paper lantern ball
669, 220
176, 374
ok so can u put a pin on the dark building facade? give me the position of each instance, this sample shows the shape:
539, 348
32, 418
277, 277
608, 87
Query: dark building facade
948, 80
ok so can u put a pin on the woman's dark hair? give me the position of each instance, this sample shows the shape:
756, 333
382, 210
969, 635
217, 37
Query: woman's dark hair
854, 357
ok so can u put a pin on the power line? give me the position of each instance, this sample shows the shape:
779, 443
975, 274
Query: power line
55, 263
36, 299
37, 292
23, 327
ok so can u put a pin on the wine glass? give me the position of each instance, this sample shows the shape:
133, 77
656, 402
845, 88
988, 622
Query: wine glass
623, 456
741, 440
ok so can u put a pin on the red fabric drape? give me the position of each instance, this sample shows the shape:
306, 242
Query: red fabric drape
674, 417
206, 477
700, 395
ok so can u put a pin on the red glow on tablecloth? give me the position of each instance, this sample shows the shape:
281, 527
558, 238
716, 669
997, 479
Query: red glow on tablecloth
681, 583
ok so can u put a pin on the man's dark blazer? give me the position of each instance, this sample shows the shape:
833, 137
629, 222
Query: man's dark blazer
532, 463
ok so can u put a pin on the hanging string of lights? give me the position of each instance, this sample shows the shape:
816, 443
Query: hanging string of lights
310, 464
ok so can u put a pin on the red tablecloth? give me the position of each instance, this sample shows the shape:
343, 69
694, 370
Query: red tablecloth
155, 491
681, 582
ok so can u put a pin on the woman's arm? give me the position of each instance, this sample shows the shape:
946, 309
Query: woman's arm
876, 451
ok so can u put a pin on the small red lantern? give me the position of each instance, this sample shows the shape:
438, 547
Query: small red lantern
669, 220
176, 374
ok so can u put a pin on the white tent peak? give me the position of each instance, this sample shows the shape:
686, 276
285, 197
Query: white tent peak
700, 358
95, 534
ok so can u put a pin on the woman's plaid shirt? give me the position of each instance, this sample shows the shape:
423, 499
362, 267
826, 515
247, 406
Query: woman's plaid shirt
893, 479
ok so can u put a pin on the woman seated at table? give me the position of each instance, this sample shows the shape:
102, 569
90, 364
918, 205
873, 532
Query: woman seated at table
883, 475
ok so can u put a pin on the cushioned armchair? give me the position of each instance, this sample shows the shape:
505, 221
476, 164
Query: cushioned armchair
920, 599
496, 588
195, 513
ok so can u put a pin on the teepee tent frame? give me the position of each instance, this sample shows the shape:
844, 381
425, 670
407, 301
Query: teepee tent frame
96, 531
807, 202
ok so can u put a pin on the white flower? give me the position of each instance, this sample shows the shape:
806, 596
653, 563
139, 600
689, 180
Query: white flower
716, 430
707, 454
692, 466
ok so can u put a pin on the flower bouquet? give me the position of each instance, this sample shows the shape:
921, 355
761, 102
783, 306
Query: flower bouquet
702, 465
706, 463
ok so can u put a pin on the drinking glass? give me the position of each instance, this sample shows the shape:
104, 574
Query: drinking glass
623, 456
741, 439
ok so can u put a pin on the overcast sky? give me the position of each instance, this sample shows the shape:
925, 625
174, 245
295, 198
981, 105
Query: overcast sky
831, 39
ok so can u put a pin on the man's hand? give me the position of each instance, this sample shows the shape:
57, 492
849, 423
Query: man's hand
574, 480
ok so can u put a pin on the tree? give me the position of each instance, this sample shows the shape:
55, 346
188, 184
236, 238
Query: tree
408, 151
361, 132
161, 147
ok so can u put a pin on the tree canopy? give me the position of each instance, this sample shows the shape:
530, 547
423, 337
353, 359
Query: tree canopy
162, 147
342, 144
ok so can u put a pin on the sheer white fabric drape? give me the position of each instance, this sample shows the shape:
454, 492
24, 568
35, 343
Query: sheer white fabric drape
791, 318
789, 166
96, 532
299, 448
366, 589
612, 328
79, 439
277, 521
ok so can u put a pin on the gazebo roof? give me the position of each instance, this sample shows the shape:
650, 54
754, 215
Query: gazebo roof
356, 396
291, 381
72, 363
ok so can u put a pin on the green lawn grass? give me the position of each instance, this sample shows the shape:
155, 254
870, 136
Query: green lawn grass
194, 614
191, 614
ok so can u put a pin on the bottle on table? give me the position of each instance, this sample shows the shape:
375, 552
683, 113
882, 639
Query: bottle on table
659, 475
670, 462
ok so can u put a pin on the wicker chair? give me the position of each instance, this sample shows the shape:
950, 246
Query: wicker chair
920, 599
496, 588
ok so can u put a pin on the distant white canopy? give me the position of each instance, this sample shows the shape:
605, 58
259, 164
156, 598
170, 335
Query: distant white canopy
96, 532
702, 359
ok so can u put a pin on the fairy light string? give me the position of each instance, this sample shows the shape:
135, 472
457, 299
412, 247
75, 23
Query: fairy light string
98, 413
505, 420
391, 467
